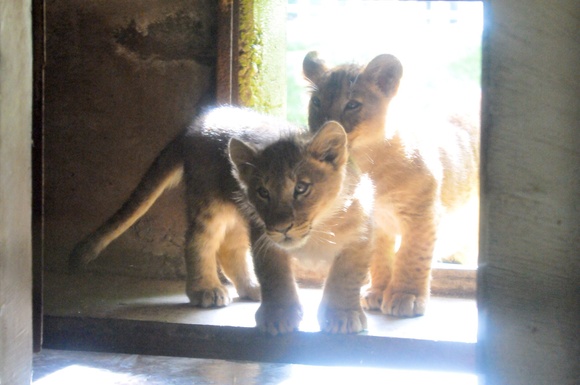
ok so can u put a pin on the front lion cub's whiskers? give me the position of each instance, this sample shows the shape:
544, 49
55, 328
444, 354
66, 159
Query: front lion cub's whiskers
323, 240
323, 232
261, 244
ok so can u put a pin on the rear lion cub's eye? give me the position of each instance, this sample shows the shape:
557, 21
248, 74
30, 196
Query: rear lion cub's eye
315, 101
353, 105
263, 193
301, 188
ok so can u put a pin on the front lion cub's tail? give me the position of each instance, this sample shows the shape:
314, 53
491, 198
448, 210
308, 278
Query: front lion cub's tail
165, 172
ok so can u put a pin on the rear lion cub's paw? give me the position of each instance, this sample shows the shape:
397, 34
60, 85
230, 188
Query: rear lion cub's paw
341, 321
250, 292
278, 319
400, 304
211, 297
372, 299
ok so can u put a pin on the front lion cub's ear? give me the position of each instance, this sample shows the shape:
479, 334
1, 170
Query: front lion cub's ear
242, 157
329, 144
385, 71
313, 67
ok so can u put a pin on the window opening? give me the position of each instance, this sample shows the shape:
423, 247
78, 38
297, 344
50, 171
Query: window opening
439, 45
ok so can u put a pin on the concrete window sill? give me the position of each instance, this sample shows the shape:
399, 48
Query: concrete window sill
140, 316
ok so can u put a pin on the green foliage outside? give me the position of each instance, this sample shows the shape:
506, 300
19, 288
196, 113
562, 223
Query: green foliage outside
439, 45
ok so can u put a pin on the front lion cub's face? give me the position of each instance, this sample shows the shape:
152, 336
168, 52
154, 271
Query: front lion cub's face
355, 96
292, 184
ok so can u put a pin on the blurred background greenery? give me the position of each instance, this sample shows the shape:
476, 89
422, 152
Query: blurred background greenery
439, 43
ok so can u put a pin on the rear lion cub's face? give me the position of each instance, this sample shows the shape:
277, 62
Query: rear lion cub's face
292, 185
355, 96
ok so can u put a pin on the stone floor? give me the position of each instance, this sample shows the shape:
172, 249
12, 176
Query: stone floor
55, 367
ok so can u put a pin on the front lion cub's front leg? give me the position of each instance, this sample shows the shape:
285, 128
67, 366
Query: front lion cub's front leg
340, 310
280, 311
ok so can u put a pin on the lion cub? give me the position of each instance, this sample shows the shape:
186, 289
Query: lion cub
304, 199
255, 180
420, 169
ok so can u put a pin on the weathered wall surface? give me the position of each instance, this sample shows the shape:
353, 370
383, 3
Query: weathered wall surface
529, 301
15, 193
122, 79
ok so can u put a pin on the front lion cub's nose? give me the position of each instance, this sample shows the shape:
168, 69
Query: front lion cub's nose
282, 228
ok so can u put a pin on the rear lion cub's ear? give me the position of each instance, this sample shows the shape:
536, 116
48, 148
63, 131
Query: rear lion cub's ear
313, 67
385, 71
329, 144
242, 157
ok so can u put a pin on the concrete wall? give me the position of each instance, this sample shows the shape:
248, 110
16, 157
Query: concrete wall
529, 299
105, 93
122, 78
15, 192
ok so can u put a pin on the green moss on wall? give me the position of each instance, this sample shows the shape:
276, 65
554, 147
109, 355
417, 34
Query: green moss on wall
262, 54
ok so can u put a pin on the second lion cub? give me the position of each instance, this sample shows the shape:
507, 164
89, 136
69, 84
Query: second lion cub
420, 170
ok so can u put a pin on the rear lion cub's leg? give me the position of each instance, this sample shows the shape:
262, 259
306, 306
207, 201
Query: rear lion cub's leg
206, 236
408, 292
383, 254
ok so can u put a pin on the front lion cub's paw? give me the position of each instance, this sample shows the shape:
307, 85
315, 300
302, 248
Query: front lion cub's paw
341, 321
400, 304
212, 297
278, 319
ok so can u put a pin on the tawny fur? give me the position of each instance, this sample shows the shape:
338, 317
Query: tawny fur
421, 169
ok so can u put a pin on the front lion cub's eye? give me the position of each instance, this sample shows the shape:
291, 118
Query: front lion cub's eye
263, 193
315, 101
353, 105
301, 188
